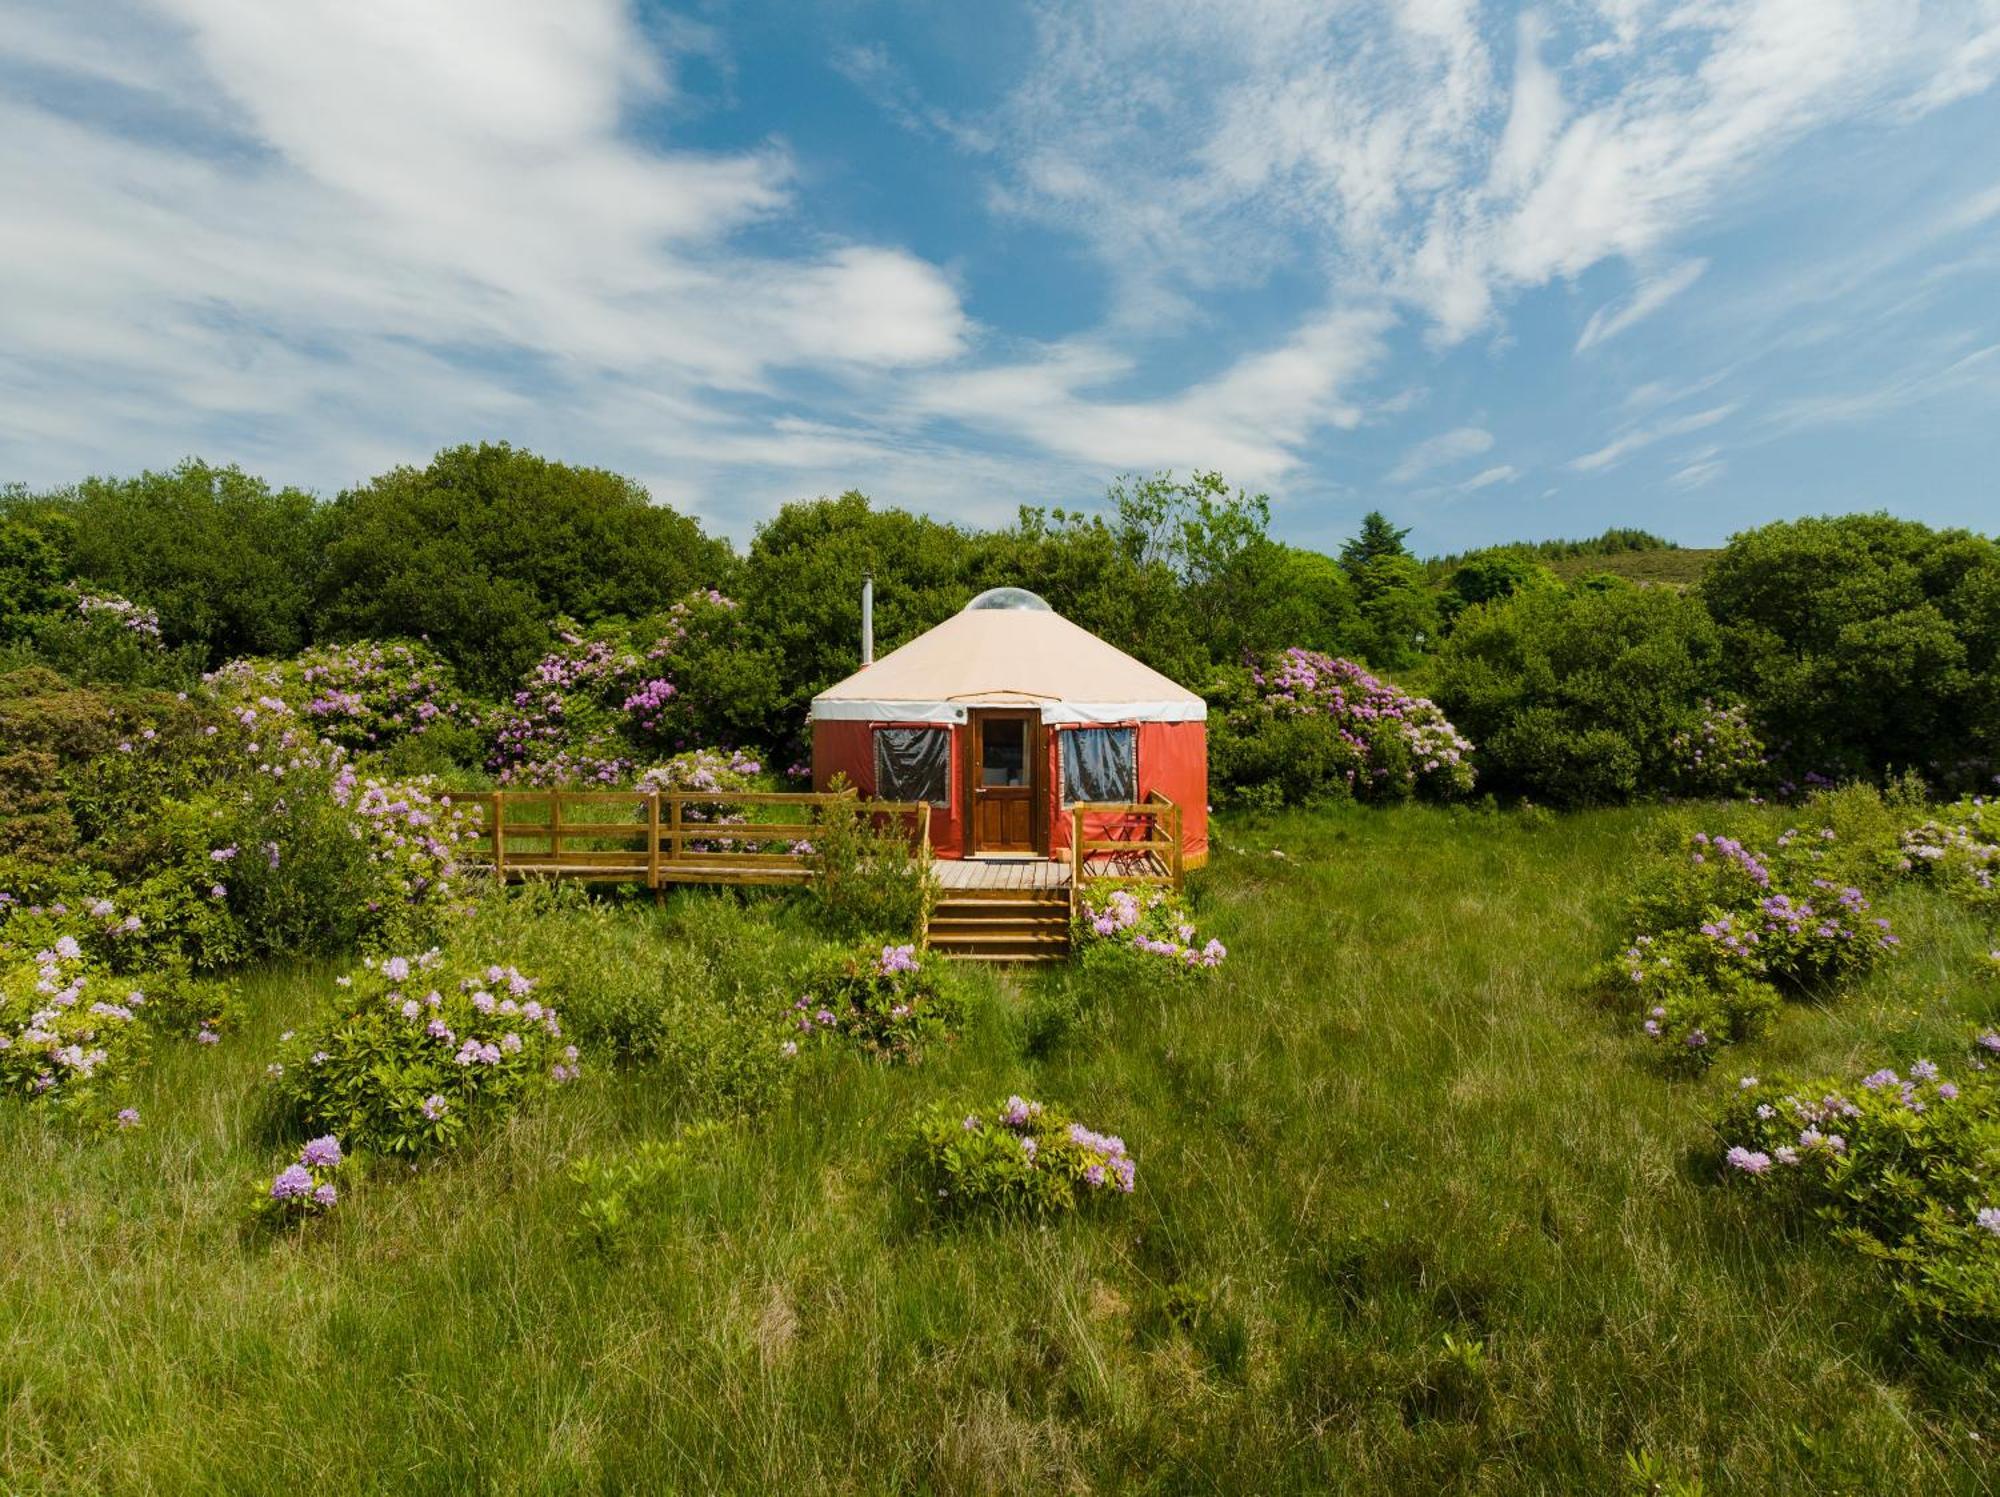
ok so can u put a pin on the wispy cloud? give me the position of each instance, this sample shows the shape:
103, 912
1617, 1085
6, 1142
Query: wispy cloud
1487, 477
1441, 451
1635, 438
1612, 319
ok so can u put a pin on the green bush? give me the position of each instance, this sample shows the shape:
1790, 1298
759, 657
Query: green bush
1016, 1157
1956, 850
480, 549
1865, 644
416, 1054
885, 1002
1901, 1169
614, 1190
1580, 698
868, 881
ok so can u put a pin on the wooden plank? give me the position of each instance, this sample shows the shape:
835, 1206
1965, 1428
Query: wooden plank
653, 840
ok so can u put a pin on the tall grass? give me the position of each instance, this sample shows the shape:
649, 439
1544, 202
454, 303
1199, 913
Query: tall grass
1412, 1215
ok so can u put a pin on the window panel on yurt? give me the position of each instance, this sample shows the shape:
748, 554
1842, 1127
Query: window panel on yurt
913, 764
1100, 764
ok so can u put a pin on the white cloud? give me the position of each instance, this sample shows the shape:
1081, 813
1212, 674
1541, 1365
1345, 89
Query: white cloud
1624, 445
1441, 451
364, 230
1609, 321
1487, 477
1247, 421
1400, 148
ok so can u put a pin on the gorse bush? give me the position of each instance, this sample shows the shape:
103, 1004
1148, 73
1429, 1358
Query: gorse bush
1017, 1156
882, 1000
414, 1054
1900, 1168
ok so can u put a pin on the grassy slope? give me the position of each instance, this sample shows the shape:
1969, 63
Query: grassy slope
1677, 567
1392, 1119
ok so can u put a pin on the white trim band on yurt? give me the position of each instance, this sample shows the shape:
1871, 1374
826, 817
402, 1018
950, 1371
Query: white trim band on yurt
852, 709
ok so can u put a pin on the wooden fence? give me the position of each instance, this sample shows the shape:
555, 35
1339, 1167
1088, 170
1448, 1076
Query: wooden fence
1142, 844
667, 837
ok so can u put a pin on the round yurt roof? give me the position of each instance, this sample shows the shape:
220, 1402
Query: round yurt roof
1008, 648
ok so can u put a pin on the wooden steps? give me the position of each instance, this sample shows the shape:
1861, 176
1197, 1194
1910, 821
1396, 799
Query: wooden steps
1001, 925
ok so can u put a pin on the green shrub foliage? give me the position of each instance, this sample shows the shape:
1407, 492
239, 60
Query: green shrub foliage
1017, 1157
883, 1001
1901, 1168
1865, 643
416, 1054
1584, 698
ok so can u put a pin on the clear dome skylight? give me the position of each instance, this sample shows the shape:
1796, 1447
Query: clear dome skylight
1009, 597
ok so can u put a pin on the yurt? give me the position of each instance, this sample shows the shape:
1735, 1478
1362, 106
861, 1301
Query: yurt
1006, 716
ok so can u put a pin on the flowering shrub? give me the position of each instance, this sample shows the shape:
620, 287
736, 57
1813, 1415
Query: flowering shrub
707, 771
413, 1054
121, 613
1114, 917
1720, 754
1017, 1156
1696, 999
69, 1037
604, 702
1721, 928
566, 725
304, 1188
1386, 744
1958, 850
882, 999
1900, 1168
368, 695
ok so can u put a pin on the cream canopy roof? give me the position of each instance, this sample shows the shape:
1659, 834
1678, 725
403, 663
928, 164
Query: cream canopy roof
1008, 657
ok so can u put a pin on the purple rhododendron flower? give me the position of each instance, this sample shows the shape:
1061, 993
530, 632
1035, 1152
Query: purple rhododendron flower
321, 1153
293, 1181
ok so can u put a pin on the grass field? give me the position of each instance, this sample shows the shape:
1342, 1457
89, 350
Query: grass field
1413, 1215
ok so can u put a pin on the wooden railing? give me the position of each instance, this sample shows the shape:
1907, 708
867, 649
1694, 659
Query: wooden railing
669, 836
1142, 844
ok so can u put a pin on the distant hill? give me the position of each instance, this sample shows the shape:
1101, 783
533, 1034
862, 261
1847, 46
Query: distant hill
1674, 566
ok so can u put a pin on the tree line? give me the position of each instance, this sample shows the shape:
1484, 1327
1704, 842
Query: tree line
1859, 645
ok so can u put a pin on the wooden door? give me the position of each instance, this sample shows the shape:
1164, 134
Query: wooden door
1006, 780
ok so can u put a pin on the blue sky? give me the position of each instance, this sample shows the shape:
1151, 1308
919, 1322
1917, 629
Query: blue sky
1501, 271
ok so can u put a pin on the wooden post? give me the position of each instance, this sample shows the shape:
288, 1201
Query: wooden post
499, 837
674, 827
555, 827
1174, 830
653, 841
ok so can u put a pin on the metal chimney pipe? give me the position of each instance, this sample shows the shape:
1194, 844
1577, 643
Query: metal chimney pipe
867, 618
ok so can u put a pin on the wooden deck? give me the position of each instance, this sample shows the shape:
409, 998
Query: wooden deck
1001, 873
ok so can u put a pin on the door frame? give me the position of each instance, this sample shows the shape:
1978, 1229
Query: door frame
1034, 748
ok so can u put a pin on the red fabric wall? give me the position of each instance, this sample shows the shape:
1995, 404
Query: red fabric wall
849, 748
1173, 759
